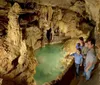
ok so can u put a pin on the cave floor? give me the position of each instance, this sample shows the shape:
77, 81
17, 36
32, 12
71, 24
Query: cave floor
95, 78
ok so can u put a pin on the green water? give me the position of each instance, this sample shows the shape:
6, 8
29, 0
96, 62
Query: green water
49, 63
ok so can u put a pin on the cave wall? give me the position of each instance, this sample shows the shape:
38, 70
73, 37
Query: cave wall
59, 3
17, 63
93, 9
38, 18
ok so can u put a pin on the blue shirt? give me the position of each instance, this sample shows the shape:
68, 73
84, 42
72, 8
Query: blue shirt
78, 58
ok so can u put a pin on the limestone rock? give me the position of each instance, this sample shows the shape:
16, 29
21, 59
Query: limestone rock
6, 65
63, 27
2, 3
32, 34
92, 8
97, 45
14, 35
18, 60
93, 11
61, 3
3, 24
57, 15
38, 45
50, 12
1, 81
43, 22
69, 46
76, 7
23, 53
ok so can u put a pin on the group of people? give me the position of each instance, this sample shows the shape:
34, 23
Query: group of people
85, 56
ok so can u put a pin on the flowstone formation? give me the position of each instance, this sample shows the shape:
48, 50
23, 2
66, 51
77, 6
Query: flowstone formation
93, 9
54, 24
17, 62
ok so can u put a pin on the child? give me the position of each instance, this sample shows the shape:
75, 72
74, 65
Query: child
77, 45
80, 43
78, 60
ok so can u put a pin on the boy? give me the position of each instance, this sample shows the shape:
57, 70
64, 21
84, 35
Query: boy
78, 60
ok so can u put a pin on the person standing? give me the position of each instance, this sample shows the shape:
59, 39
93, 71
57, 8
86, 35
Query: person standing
80, 43
84, 52
85, 49
90, 59
78, 60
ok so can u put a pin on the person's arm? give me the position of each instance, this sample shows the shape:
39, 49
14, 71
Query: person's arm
73, 54
89, 66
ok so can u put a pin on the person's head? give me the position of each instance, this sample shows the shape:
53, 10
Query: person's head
91, 43
78, 51
86, 43
78, 44
81, 40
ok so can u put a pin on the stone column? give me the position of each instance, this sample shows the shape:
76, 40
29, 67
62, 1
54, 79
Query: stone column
20, 56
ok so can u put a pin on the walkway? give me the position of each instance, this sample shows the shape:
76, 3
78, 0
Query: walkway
95, 78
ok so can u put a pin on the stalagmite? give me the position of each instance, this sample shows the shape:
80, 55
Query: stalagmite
50, 12
14, 34
63, 27
18, 60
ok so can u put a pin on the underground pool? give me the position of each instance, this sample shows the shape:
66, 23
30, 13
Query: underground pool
49, 66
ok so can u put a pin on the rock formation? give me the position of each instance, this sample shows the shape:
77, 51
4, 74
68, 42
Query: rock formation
17, 59
93, 9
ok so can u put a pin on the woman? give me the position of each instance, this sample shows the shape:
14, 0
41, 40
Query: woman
80, 43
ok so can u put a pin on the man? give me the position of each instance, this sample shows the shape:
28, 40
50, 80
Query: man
84, 51
90, 59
